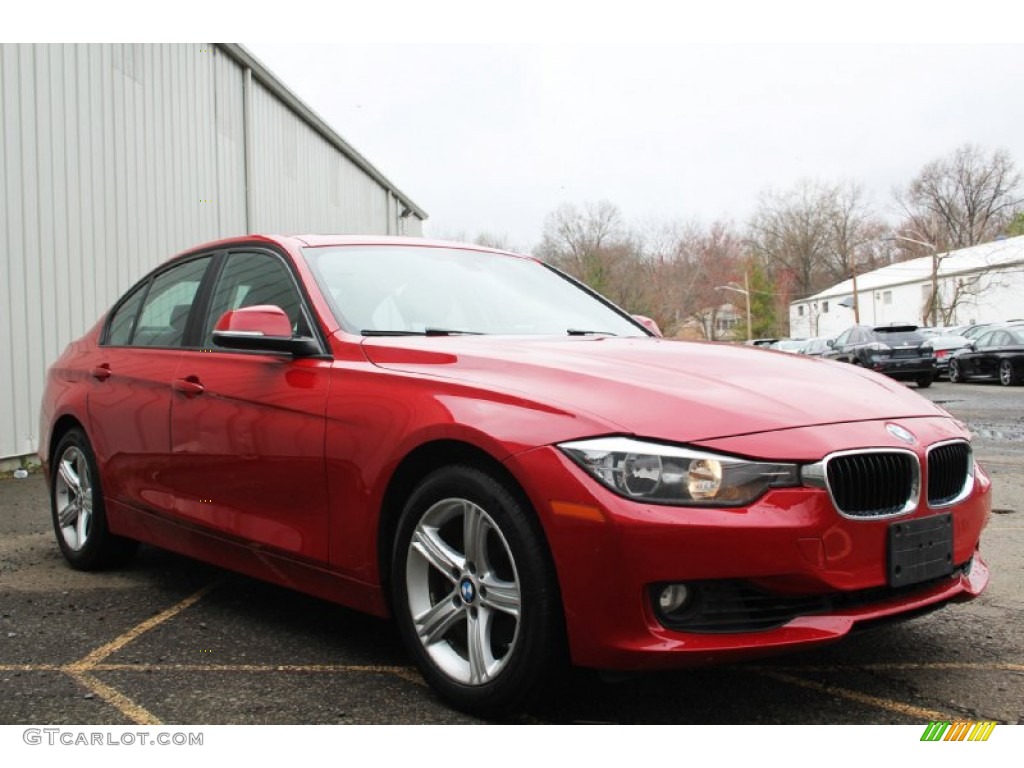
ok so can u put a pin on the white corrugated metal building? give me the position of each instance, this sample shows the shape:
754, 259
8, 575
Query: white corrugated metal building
981, 284
115, 157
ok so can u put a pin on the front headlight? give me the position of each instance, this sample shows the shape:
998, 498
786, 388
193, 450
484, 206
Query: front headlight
670, 474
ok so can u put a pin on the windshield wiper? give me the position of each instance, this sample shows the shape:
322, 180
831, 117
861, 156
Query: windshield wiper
424, 332
580, 332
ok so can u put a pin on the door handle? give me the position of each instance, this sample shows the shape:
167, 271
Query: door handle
188, 386
101, 372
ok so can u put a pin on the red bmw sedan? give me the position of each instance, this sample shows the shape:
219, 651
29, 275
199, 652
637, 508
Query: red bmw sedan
511, 466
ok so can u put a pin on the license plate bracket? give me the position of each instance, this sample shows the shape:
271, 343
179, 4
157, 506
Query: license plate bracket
920, 550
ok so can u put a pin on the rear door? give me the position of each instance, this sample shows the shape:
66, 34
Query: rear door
131, 387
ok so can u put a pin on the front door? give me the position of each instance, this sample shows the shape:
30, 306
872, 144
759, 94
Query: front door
247, 429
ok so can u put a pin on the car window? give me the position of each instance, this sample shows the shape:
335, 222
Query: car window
122, 322
1015, 337
253, 279
168, 304
841, 338
1000, 339
986, 340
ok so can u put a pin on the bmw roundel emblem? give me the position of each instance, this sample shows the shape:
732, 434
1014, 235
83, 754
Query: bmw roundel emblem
467, 591
905, 435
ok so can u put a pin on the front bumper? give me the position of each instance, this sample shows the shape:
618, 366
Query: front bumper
610, 551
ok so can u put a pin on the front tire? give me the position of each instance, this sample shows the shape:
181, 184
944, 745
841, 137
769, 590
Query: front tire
474, 592
76, 506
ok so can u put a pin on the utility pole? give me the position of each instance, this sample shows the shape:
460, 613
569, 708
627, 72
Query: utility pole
935, 273
746, 292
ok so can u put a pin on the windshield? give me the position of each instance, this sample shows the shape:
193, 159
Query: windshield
425, 290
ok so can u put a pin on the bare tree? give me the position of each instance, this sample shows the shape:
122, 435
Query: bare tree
579, 241
593, 245
960, 200
790, 232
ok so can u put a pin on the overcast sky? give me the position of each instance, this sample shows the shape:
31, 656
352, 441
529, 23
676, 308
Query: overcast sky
490, 138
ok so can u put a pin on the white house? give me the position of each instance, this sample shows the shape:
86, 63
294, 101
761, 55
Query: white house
981, 284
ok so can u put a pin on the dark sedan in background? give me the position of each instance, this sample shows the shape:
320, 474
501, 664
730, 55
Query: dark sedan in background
899, 351
998, 354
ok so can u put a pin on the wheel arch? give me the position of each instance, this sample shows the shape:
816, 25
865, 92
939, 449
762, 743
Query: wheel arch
61, 427
415, 466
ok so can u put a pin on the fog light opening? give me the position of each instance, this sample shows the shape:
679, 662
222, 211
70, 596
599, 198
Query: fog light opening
672, 597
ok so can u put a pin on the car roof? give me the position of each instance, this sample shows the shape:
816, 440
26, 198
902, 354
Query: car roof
321, 240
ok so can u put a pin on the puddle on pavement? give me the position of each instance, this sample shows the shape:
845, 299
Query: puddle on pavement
1010, 432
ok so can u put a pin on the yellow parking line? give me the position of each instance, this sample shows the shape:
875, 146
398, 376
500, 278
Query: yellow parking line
315, 668
137, 714
79, 670
31, 668
118, 643
861, 698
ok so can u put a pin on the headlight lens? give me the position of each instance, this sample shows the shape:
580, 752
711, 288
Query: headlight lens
670, 474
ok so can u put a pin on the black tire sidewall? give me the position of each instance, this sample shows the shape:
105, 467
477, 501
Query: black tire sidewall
1012, 378
533, 656
101, 547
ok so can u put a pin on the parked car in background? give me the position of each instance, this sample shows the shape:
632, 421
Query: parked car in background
945, 347
815, 347
760, 342
788, 345
898, 351
510, 466
971, 332
998, 354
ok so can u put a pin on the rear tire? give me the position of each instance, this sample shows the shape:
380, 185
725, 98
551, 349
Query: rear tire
76, 506
1007, 376
955, 376
474, 592
923, 382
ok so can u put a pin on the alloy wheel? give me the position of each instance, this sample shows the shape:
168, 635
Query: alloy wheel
1005, 373
73, 497
463, 591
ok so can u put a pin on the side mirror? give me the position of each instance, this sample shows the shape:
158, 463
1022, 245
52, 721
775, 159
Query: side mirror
649, 324
831, 343
263, 328
970, 346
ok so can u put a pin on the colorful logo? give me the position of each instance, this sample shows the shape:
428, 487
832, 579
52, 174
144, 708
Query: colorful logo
966, 730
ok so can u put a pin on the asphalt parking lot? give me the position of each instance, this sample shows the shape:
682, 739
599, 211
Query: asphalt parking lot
169, 640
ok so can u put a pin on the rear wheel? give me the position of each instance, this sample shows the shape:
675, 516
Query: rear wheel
925, 381
76, 504
474, 591
1007, 376
955, 375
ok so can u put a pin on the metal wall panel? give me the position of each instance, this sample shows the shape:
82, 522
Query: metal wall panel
114, 157
302, 183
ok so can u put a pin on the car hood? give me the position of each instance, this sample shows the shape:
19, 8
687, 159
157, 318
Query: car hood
656, 388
